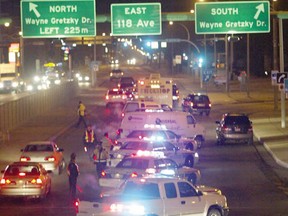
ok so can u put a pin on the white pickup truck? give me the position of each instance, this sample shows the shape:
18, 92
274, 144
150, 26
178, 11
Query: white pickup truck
153, 196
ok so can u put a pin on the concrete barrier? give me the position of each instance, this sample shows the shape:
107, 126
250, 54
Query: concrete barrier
14, 113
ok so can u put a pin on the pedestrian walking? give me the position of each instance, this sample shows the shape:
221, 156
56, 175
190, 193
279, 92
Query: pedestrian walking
81, 114
89, 139
73, 172
100, 159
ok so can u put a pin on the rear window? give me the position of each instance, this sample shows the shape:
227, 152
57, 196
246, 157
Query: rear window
33, 148
127, 80
111, 92
141, 191
237, 120
135, 163
135, 146
14, 170
131, 107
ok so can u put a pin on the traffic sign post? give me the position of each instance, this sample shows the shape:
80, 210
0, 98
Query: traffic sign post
136, 19
280, 77
232, 17
58, 18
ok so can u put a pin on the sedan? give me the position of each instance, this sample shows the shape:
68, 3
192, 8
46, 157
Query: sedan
45, 152
183, 157
25, 179
140, 166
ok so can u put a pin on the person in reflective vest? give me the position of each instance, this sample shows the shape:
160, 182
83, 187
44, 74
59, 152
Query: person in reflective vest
89, 141
100, 157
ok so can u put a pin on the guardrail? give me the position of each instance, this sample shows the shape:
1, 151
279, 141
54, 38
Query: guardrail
14, 113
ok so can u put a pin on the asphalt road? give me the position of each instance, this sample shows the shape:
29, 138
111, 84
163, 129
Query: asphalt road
245, 174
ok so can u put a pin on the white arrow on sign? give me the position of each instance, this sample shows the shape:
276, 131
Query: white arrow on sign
260, 8
33, 7
281, 77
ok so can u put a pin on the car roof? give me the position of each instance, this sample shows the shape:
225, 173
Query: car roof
25, 163
40, 142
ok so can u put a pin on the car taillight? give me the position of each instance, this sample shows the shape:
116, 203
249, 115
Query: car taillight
24, 158
76, 205
103, 174
225, 128
210, 105
250, 129
36, 181
134, 175
107, 97
5, 181
124, 97
49, 158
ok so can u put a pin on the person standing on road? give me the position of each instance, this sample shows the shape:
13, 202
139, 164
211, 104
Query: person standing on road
100, 159
73, 172
107, 143
89, 140
81, 114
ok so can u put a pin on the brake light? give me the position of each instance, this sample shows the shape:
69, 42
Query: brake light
76, 205
107, 97
103, 174
122, 115
49, 158
5, 181
21, 174
134, 175
124, 97
210, 105
36, 181
24, 158
225, 128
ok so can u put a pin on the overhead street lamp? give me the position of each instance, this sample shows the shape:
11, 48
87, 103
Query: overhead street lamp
185, 27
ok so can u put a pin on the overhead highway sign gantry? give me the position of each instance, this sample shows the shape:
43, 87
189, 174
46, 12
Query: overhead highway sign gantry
58, 18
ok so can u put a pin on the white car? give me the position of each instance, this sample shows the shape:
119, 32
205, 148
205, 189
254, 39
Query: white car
45, 152
115, 96
25, 179
183, 157
140, 166
158, 196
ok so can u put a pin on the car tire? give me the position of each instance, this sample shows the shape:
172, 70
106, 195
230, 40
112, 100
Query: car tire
189, 161
214, 212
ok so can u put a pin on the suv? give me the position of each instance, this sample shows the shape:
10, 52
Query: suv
196, 104
127, 84
116, 74
234, 127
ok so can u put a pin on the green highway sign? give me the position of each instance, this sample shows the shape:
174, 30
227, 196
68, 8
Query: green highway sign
232, 17
136, 19
58, 18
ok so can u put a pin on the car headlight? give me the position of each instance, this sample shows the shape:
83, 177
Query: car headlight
87, 78
1, 85
80, 78
15, 84
29, 88
57, 82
